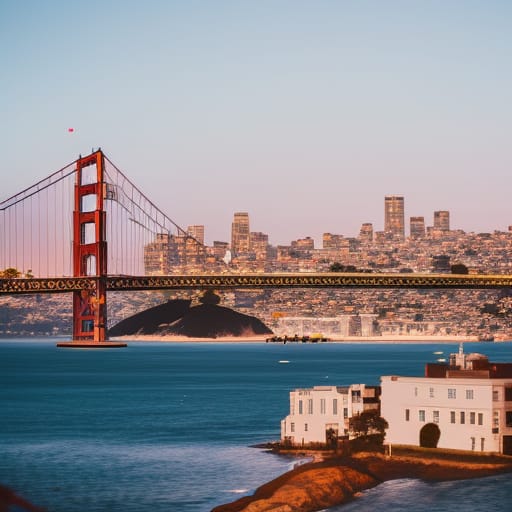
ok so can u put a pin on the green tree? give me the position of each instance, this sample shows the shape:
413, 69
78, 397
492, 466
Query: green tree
11, 273
367, 423
210, 297
331, 437
459, 268
369, 431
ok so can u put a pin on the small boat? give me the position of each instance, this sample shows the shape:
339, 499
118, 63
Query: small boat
283, 361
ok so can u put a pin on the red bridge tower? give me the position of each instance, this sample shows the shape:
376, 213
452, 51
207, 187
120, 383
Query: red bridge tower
90, 248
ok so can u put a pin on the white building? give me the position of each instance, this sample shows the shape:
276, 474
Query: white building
469, 399
315, 411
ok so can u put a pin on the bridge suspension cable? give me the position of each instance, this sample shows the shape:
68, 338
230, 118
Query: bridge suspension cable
36, 225
134, 222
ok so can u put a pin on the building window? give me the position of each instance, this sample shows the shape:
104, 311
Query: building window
508, 418
473, 442
482, 444
462, 417
310, 406
496, 422
300, 406
421, 415
452, 393
431, 392
495, 395
469, 394
415, 391
407, 414
322, 405
345, 412
480, 418
292, 427
335, 406
452, 416
472, 418
305, 427
508, 394
435, 416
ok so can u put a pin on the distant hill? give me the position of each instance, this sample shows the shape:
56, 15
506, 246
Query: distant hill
150, 320
176, 317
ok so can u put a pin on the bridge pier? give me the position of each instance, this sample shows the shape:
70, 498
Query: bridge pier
91, 344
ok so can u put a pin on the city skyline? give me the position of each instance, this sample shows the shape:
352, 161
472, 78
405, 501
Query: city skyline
413, 226
304, 113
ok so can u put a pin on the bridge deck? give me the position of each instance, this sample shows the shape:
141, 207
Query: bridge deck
280, 280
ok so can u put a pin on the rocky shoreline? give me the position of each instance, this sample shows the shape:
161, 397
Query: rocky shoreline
318, 485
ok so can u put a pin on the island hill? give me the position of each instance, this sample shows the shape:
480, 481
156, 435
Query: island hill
179, 318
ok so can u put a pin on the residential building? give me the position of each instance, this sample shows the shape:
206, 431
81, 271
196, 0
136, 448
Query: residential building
317, 412
157, 258
196, 232
468, 398
366, 232
394, 220
331, 241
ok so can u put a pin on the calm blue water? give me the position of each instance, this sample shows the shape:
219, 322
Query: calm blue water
167, 426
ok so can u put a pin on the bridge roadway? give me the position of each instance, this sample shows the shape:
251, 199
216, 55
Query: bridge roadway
257, 281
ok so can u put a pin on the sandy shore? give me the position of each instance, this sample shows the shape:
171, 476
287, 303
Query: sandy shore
263, 338
318, 485
186, 339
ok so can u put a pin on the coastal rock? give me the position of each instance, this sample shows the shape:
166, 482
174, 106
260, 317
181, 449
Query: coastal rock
305, 489
319, 485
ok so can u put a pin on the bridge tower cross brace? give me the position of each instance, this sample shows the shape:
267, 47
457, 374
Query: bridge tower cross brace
90, 248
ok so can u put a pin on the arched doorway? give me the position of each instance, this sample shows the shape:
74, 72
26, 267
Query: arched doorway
429, 435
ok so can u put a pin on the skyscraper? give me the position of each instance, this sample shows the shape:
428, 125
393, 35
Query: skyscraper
394, 220
442, 220
240, 234
417, 227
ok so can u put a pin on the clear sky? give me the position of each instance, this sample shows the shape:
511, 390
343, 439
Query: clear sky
302, 113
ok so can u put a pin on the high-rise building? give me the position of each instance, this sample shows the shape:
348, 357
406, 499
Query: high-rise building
442, 220
197, 232
240, 233
417, 227
394, 220
366, 232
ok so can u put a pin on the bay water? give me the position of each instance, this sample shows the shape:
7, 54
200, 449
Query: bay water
169, 426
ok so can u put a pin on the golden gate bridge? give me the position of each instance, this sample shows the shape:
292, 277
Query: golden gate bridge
83, 230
